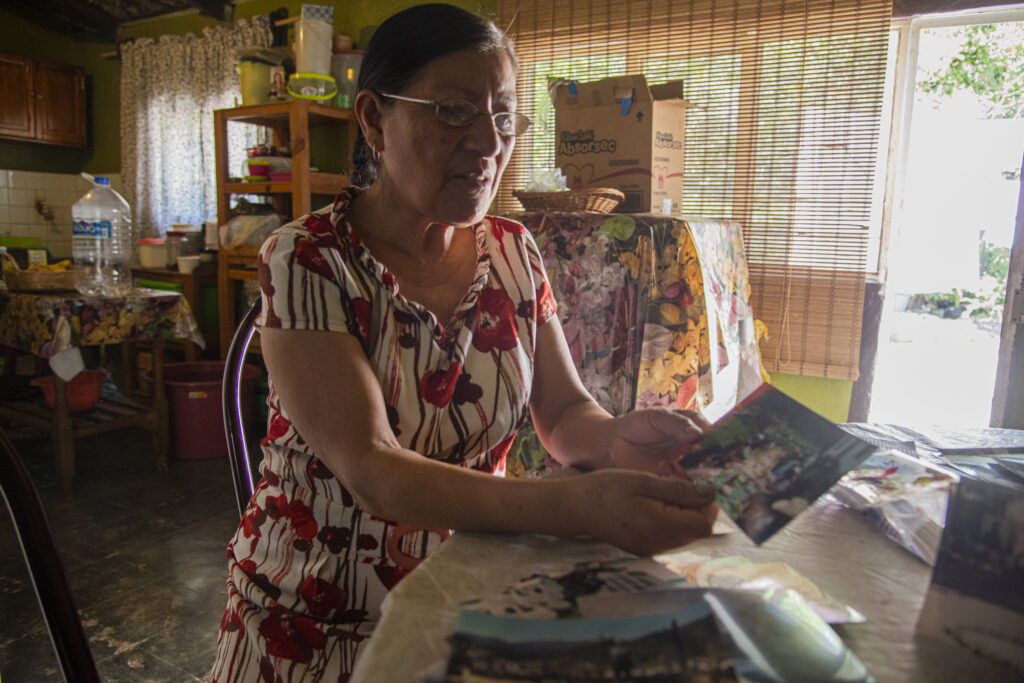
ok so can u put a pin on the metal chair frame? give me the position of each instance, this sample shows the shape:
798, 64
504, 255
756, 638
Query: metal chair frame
231, 406
238, 449
45, 568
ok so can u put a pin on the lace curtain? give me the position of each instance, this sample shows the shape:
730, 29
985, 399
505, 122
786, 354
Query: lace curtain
169, 90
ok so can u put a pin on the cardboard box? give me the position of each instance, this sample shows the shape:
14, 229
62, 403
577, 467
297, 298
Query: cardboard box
619, 132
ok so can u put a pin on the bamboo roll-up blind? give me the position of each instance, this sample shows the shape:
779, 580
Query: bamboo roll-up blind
783, 138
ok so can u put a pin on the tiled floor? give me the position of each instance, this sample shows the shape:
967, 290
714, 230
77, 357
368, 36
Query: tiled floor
144, 550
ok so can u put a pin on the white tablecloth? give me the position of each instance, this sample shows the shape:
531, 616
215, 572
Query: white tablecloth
831, 545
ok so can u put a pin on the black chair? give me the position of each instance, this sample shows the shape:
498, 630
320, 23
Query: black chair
45, 568
238, 449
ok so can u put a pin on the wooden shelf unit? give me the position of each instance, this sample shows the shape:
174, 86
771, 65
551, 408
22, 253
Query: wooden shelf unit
290, 123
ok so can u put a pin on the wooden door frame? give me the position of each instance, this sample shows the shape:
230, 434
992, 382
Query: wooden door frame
1008, 397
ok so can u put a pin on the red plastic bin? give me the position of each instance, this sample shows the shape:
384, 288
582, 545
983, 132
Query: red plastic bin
194, 402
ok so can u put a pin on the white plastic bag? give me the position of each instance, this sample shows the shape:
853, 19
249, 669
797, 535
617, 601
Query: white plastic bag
249, 229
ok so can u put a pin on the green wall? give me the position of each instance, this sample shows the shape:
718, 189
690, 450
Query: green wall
354, 18
102, 154
827, 397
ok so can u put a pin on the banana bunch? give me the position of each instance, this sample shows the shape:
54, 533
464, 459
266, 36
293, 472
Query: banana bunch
52, 267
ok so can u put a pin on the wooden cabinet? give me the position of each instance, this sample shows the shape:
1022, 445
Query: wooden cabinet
290, 123
42, 101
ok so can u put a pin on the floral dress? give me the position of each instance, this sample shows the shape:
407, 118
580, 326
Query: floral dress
308, 569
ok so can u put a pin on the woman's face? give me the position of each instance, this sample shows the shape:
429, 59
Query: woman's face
441, 173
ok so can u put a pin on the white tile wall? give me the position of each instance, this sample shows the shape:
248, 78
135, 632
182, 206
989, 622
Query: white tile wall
19, 192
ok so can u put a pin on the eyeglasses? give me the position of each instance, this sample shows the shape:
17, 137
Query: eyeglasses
459, 114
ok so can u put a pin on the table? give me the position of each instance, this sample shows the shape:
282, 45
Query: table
833, 546
655, 309
192, 284
55, 326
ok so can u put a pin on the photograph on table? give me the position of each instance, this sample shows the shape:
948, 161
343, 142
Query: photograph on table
1003, 470
555, 595
683, 644
776, 634
976, 598
769, 458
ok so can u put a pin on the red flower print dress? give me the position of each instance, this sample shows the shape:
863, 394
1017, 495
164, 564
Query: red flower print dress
308, 569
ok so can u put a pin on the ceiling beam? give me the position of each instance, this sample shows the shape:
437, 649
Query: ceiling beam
77, 19
215, 9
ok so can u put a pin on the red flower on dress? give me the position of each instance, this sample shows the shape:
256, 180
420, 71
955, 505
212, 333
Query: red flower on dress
291, 636
302, 520
279, 426
321, 597
316, 469
496, 325
231, 621
309, 256
546, 304
499, 227
249, 527
437, 387
336, 538
466, 391
248, 565
361, 311
296, 512
389, 576
366, 542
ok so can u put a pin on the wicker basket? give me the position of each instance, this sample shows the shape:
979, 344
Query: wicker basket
40, 280
593, 200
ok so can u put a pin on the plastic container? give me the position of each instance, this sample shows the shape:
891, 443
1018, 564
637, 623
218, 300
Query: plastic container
314, 45
183, 240
101, 241
83, 391
345, 70
194, 403
188, 263
152, 252
255, 81
310, 86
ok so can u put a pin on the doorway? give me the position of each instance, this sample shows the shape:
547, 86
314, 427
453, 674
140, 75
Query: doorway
958, 145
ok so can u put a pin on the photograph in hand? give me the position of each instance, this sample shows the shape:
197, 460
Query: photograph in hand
769, 459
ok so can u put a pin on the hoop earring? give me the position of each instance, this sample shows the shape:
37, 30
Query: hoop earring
375, 154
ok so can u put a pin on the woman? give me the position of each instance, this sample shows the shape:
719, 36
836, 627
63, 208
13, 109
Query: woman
405, 335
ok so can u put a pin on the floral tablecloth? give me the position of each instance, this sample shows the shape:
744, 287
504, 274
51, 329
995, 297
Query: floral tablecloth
49, 324
637, 296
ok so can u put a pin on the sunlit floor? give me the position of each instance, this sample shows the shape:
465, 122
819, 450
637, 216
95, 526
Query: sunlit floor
144, 550
934, 371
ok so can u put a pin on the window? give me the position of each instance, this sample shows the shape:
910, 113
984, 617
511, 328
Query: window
783, 139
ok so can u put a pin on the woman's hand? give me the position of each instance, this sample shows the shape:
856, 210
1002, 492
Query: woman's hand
639, 512
648, 440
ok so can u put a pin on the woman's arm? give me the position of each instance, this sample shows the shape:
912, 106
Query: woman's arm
578, 432
328, 390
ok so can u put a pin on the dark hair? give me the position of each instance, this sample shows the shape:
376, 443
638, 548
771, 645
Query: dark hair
407, 42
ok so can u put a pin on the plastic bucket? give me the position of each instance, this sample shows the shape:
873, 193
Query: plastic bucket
194, 403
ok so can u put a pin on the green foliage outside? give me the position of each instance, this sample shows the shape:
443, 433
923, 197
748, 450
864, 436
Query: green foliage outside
990, 63
987, 302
